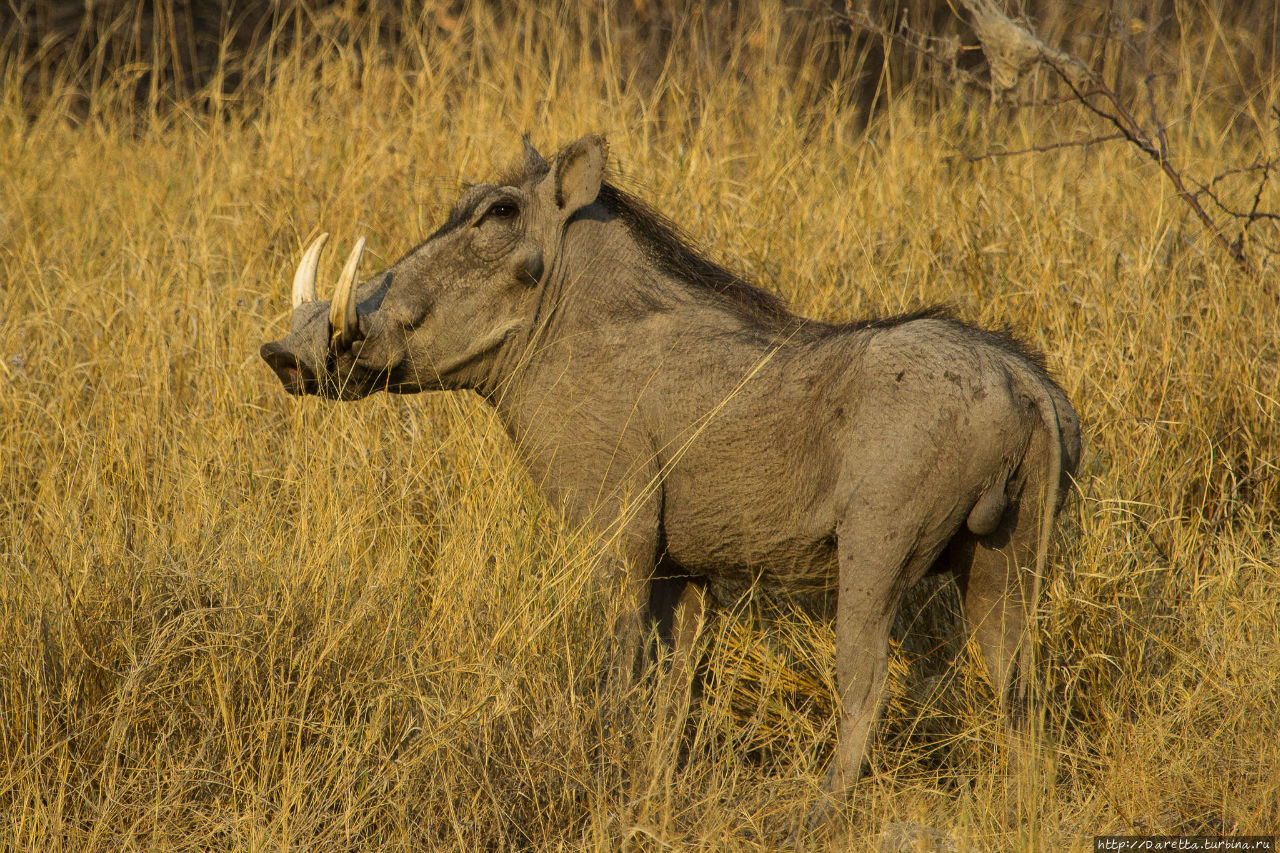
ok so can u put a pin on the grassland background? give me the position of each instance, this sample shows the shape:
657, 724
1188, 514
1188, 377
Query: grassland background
234, 620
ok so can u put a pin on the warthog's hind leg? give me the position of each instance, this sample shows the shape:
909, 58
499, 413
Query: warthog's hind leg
996, 575
677, 602
877, 563
996, 594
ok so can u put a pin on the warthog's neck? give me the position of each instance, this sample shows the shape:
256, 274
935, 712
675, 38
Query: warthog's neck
618, 337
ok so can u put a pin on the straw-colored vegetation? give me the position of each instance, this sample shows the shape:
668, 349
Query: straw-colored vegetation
235, 620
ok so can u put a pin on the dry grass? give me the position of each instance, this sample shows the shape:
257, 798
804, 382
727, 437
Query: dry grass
234, 620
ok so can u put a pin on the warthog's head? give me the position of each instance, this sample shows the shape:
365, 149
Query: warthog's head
442, 315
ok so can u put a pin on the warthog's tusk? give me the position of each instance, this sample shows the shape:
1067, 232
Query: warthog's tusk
304, 280
344, 325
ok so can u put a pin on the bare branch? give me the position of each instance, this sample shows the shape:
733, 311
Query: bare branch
1257, 195
1012, 51
1256, 166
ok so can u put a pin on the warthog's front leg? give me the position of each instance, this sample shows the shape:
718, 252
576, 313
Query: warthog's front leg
630, 586
658, 607
632, 556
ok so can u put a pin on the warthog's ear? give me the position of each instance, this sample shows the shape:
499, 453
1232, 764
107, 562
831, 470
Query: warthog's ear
578, 171
534, 163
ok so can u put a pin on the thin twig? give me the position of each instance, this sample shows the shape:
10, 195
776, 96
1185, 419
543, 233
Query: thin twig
1051, 146
1239, 170
1257, 196
1250, 216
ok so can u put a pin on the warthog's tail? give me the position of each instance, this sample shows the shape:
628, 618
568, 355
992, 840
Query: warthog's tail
1048, 410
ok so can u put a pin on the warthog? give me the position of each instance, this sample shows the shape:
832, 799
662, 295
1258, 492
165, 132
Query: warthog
722, 440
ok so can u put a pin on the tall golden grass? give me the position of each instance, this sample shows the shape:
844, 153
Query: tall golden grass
234, 620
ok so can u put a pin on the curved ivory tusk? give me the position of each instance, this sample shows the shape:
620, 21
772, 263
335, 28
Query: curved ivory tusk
344, 325
304, 280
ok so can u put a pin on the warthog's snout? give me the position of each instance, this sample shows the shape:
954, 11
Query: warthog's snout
321, 354
301, 357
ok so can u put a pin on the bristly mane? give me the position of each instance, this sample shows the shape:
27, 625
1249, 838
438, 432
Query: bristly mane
672, 251
675, 254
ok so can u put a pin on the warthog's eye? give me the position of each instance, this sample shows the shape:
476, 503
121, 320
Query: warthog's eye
500, 210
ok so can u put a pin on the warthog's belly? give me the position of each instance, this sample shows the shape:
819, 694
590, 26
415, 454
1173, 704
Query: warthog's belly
752, 505
803, 567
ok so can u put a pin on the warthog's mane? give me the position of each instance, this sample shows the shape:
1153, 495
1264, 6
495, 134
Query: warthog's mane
668, 247
677, 255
